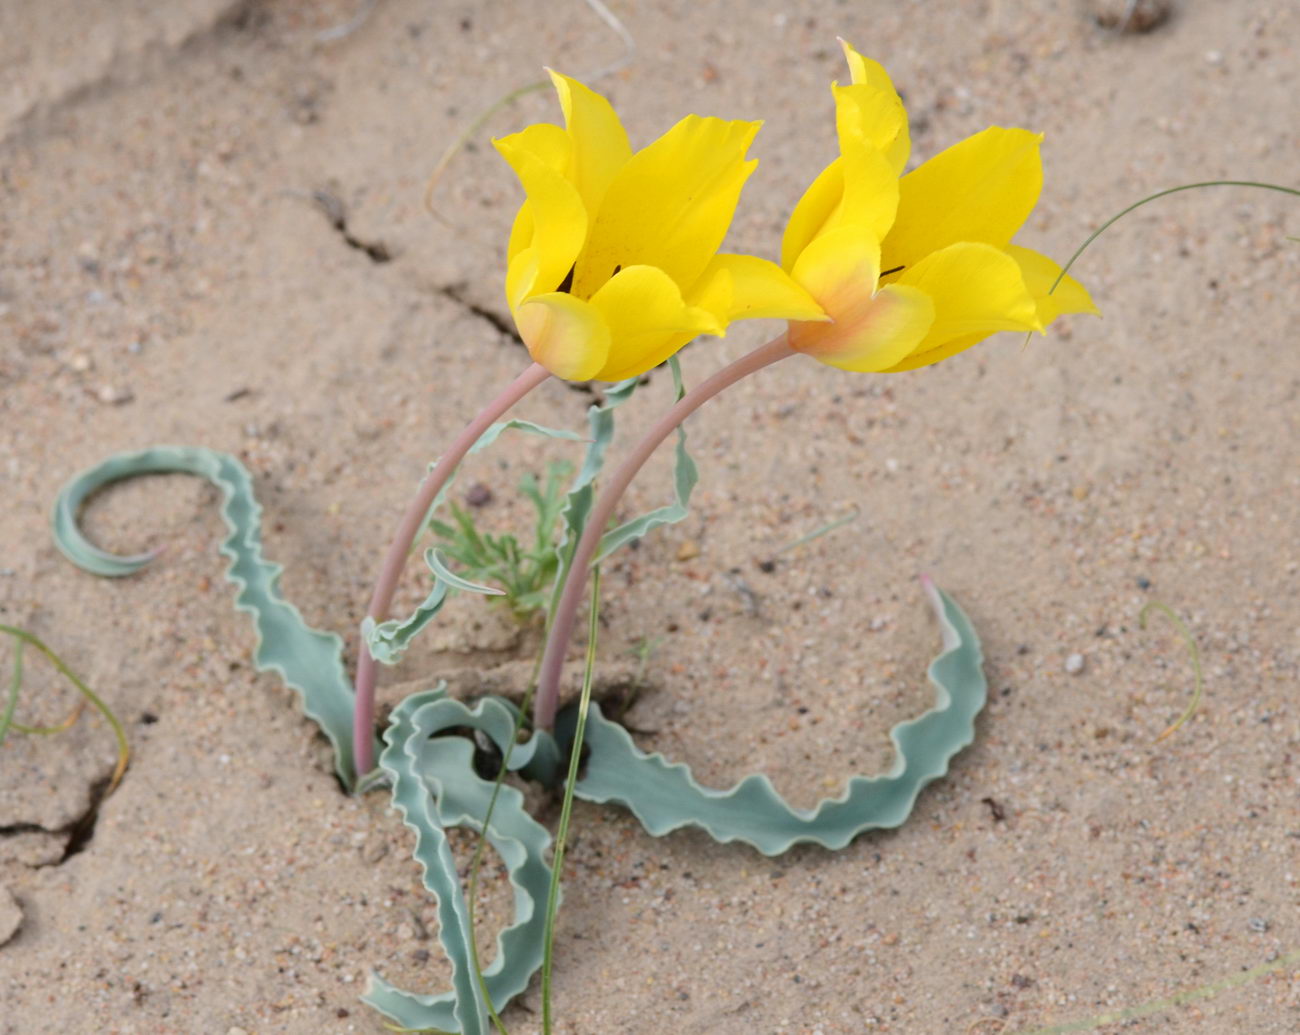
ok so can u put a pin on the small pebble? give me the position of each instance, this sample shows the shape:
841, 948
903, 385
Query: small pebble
688, 551
1258, 924
479, 495
1074, 664
1130, 15
114, 396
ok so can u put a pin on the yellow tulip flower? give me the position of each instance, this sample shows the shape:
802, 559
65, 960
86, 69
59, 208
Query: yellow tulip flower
613, 260
914, 270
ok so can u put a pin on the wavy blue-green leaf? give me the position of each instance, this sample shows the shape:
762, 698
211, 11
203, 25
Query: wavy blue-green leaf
435, 787
664, 796
308, 660
388, 640
433, 558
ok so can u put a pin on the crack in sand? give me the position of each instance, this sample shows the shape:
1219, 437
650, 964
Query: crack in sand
79, 831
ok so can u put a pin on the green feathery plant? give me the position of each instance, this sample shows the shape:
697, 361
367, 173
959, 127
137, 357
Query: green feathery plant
525, 573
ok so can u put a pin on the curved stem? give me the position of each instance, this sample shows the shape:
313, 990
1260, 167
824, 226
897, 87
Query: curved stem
363, 715
548, 684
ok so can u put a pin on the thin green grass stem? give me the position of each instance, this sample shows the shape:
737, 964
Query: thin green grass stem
1192, 650
123, 748
817, 533
468, 134
1152, 197
1146, 201
1191, 995
566, 810
50, 731
17, 681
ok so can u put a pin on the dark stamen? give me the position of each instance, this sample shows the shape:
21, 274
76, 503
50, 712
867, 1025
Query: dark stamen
894, 270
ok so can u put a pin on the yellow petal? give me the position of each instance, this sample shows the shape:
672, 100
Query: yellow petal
981, 189
812, 211
521, 231
977, 290
929, 357
871, 188
600, 146
873, 117
865, 70
670, 205
557, 217
648, 321
564, 334
839, 267
858, 189
877, 106
543, 140
551, 145
745, 287
521, 275
1040, 274
872, 330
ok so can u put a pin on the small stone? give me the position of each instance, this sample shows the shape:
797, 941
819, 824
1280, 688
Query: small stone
688, 551
877, 624
374, 850
1258, 924
11, 915
1080, 492
1130, 15
1074, 664
111, 395
479, 495
80, 362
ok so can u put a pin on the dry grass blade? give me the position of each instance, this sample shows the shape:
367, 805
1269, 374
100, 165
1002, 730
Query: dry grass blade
22, 637
1192, 650
480, 120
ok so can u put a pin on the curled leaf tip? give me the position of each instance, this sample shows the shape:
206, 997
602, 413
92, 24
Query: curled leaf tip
308, 660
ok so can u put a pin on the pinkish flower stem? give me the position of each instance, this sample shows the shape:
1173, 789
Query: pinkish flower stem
548, 685
363, 715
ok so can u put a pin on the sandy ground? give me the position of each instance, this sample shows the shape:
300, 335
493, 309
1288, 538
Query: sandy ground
164, 277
